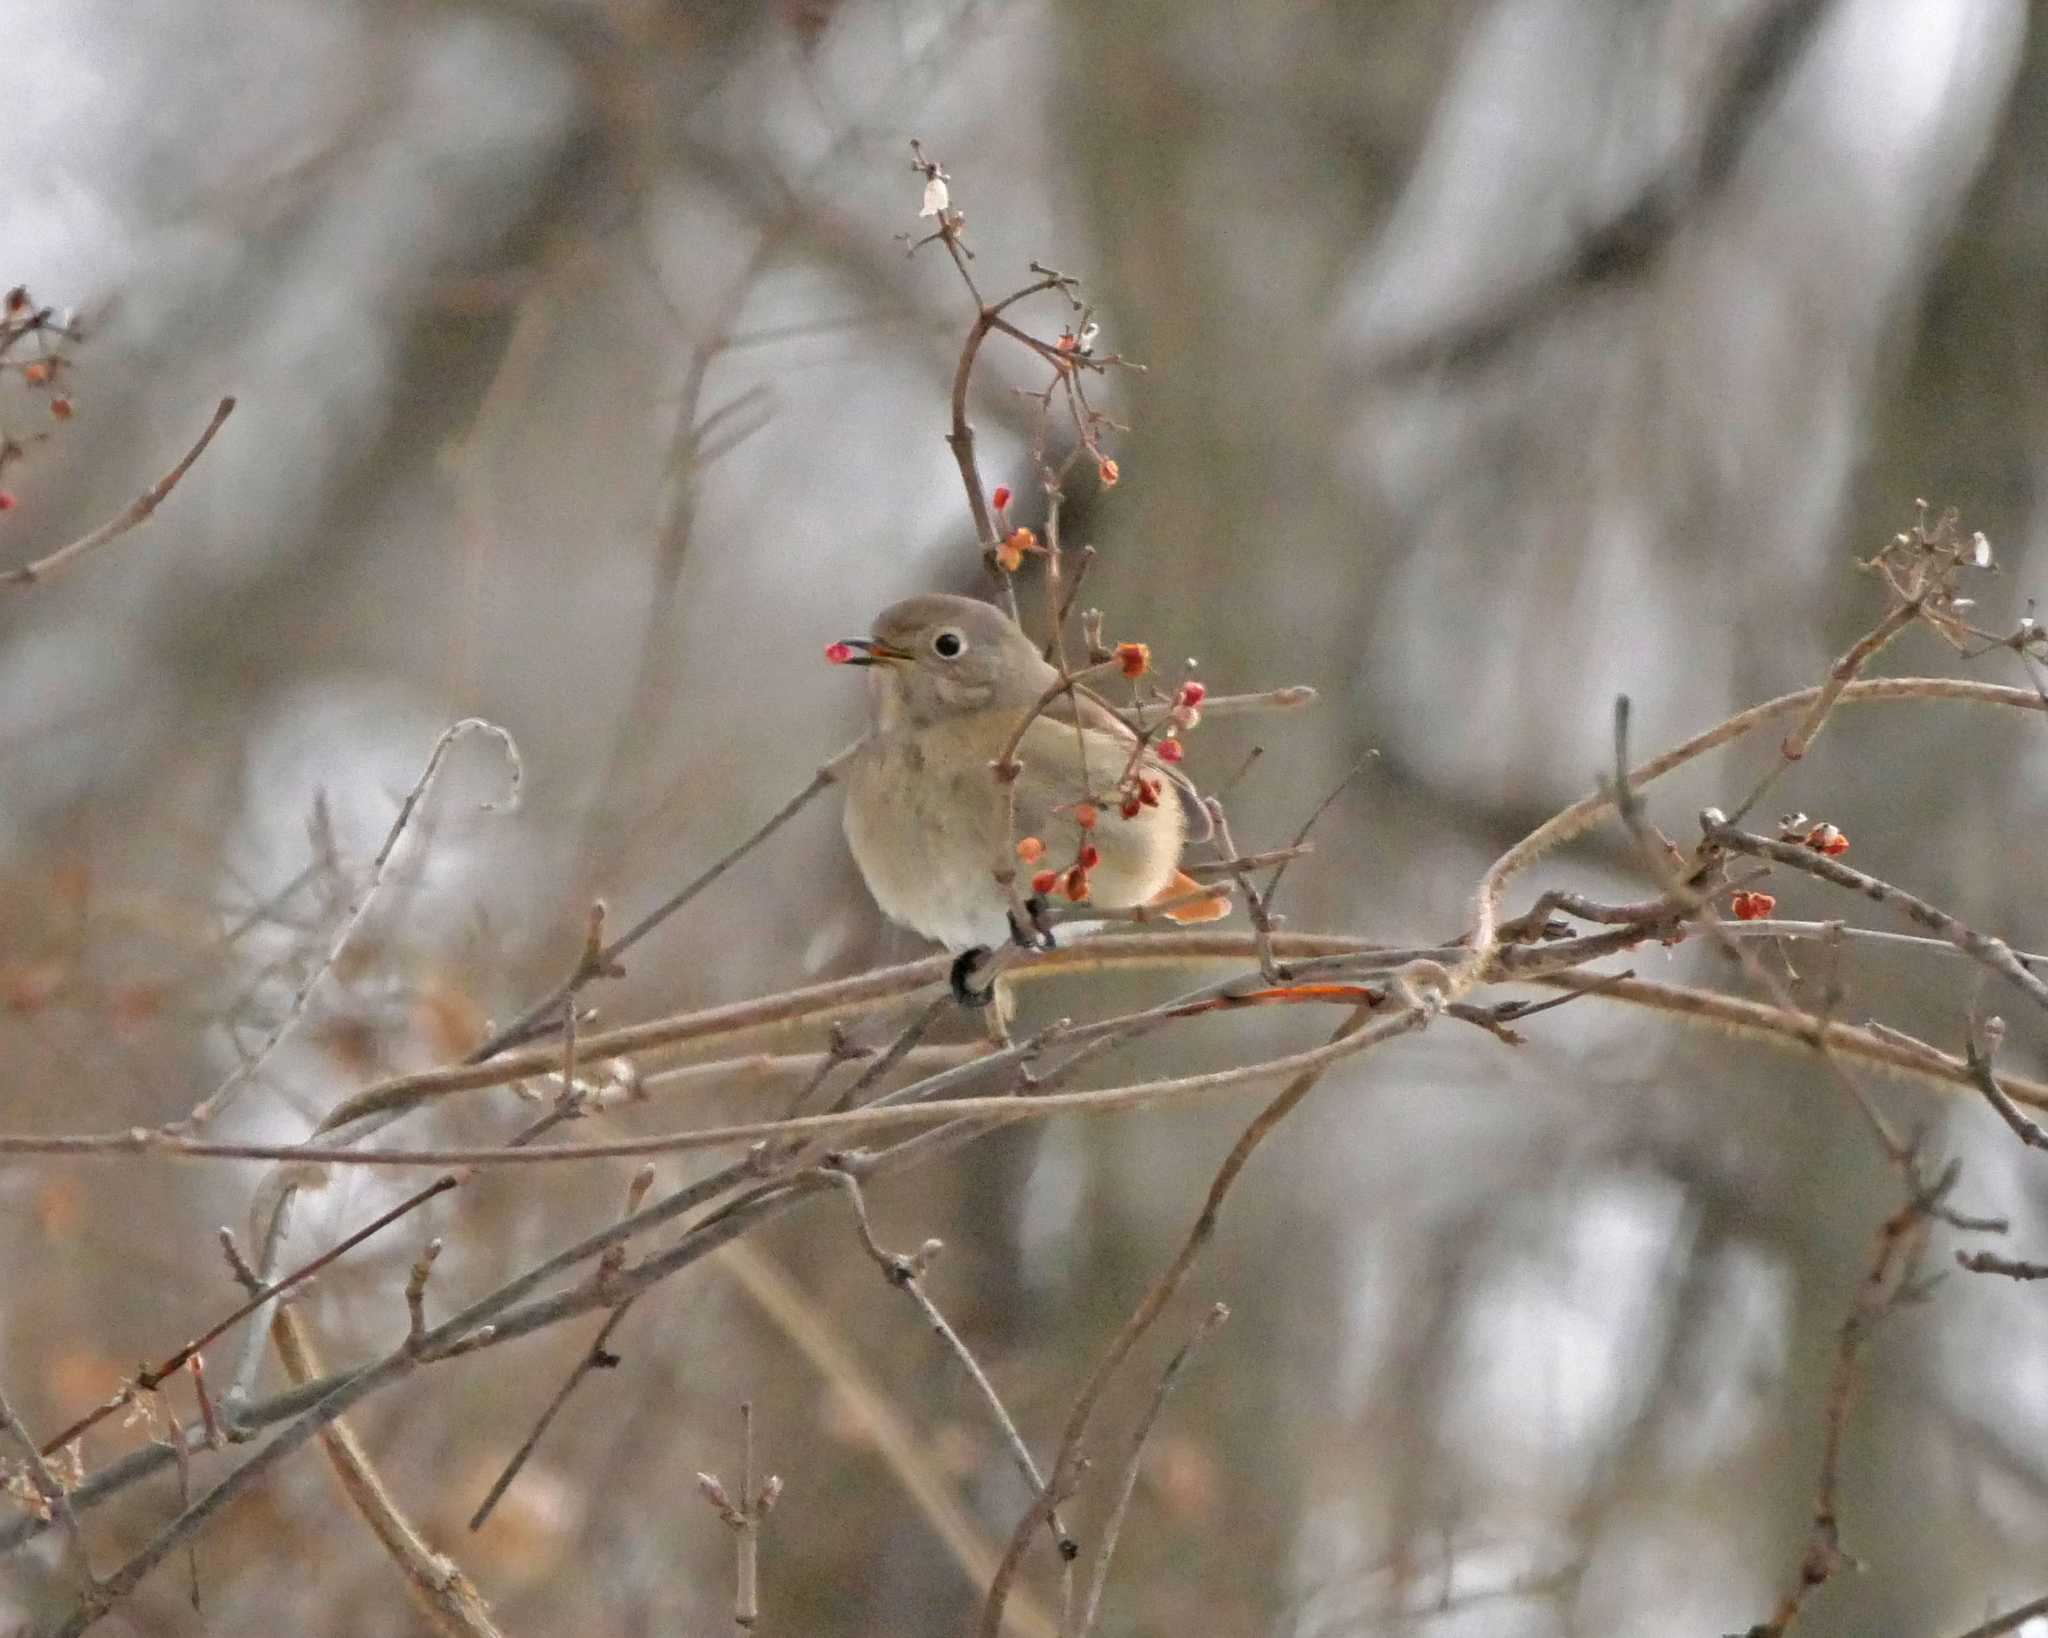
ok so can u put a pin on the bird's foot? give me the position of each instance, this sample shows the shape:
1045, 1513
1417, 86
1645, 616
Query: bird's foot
1033, 934
962, 978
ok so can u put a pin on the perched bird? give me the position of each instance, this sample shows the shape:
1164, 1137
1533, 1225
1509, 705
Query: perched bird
930, 823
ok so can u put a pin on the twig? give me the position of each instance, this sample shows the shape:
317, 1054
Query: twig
147, 1381
51, 1492
1994, 953
2011, 1621
1899, 1246
137, 513
1582, 815
439, 1588
358, 909
416, 1295
906, 1274
548, 1007
1653, 852
744, 1519
1127, 1484
1066, 1461
597, 1357
1989, 1262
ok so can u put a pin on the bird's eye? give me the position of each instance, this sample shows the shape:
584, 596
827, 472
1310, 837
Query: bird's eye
949, 644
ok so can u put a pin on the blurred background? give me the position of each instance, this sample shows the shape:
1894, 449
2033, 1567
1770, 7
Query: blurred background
1504, 355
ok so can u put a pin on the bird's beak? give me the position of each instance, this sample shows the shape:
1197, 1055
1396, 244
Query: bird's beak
861, 651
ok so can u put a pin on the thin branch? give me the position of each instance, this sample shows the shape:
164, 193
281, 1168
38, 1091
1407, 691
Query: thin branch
1066, 1462
1589, 811
1127, 1483
358, 909
138, 512
906, 1274
548, 1007
1994, 953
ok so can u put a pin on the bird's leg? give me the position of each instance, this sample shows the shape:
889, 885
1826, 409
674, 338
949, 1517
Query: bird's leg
962, 975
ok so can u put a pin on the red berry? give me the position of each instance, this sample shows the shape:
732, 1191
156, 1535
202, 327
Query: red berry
1148, 792
6, 500
61, 408
1085, 815
1170, 750
1044, 882
1090, 856
1129, 807
1134, 658
1752, 906
1001, 497
839, 653
1192, 694
1077, 885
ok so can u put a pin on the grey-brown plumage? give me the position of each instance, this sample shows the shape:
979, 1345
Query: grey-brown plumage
950, 679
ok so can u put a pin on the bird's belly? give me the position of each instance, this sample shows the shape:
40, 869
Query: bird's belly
930, 865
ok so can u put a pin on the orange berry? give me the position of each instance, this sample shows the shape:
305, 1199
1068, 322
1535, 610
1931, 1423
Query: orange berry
1077, 885
1085, 815
1750, 906
1109, 472
1135, 658
36, 374
61, 408
1827, 839
1030, 849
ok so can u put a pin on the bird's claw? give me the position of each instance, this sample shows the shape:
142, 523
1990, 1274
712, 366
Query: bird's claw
1032, 934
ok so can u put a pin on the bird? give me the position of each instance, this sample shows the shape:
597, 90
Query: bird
929, 821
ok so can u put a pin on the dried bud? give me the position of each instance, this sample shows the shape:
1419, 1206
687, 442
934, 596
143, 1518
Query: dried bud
1109, 472
1085, 815
1170, 750
1068, 342
714, 1492
936, 196
1044, 882
17, 298
1749, 906
1030, 849
839, 653
1077, 885
1090, 855
1001, 498
1135, 658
